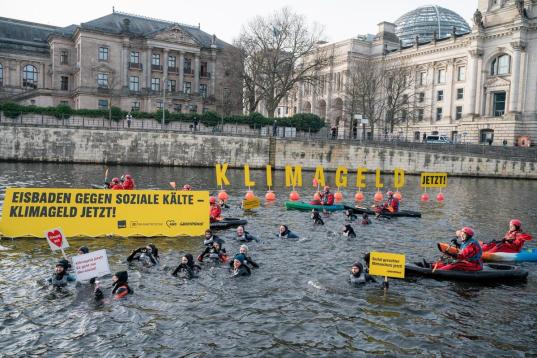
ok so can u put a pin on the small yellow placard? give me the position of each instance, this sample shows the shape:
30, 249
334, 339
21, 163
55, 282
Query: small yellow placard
387, 264
433, 180
251, 204
93, 213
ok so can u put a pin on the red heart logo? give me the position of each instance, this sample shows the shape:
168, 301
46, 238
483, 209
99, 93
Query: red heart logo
55, 237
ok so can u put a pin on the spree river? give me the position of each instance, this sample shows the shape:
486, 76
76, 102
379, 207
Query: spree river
298, 303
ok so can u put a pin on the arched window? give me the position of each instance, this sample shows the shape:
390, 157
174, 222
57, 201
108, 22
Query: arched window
1, 75
500, 65
29, 76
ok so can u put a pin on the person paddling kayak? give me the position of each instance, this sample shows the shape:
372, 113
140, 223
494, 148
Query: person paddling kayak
469, 256
215, 210
391, 205
327, 198
512, 242
128, 182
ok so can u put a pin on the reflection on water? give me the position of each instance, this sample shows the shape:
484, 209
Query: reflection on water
297, 303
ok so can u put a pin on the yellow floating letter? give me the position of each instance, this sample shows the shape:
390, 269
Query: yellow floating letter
341, 177
398, 178
293, 177
360, 178
378, 183
221, 178
269, 175
247, 180
319, 175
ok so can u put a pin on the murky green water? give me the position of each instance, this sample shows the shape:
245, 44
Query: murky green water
297, 304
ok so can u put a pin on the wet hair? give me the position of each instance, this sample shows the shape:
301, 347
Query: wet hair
365, 215
83, 249
209, 231
154, 250
190, 259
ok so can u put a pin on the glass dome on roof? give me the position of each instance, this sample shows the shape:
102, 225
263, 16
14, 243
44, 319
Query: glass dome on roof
425, 20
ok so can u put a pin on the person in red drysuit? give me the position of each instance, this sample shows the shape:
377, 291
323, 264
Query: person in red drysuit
392, 203
327, 198
512, 242
115, 184
128, 183
469, 256
216, 211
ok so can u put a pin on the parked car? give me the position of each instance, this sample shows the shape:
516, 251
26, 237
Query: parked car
437, 139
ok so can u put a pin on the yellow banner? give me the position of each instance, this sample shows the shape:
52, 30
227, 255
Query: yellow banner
251, 204
387, 264
433, 180
95, 212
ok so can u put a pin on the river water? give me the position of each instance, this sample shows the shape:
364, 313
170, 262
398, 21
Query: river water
298, 303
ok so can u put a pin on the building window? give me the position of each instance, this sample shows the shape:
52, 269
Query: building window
440, 95
64, 83
439, 113
102, 80
64, 103
155, 59
135, 107
498, 104
421, 97
416, 136
441, 76
177, 107
454, 136
421, 78
500, 65
155, 84
461, 73
171, 61
486, 136
1, 74
171, 85
460, 93
187, 65
187, 87
135, 57
194, 108
159, 105
205, 110
203, 90
103, 53
103, 104
29, 76
458, 112
419, 115
64, 60
134, 83
203, 69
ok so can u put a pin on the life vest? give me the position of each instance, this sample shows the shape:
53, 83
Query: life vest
477, 256
122, 291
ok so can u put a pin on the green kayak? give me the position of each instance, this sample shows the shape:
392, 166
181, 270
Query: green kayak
299, 205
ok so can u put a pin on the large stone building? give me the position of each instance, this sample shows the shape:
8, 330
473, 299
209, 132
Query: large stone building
119, 59
477, 84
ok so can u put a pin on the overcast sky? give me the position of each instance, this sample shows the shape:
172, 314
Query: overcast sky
341, 19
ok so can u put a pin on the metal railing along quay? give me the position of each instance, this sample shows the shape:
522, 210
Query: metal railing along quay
241, 130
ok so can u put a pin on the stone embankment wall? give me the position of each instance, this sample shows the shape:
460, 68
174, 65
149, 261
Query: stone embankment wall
71, 145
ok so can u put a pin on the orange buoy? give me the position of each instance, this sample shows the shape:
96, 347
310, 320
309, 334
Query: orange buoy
294, 196
378, 196
424, 197
249, 195
398, 196
222, 195
440, 197
338, 196
270, 196
359, 196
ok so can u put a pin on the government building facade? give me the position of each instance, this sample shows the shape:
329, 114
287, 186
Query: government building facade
474, 84
129, 61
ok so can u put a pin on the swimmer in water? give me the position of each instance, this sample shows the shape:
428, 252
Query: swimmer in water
316, 217
348, 231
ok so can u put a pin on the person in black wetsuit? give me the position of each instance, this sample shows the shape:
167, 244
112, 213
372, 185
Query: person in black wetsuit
243, 235
187, 266
83, 250
210, 238
365, 219
239, 266
316, 217
247, 259
61, 277
358, 276
216, 253
348, 231
285, 233
120, 289
350, 215
148, 255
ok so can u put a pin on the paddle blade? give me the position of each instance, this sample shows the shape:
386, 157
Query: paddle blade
173, 184
106, 174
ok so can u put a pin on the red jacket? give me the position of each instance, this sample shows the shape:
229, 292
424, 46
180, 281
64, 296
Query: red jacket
393, 203
117, 187
128, 184
328, 199
215, 212
512, 242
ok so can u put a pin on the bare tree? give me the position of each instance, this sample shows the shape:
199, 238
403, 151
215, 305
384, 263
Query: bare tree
364, 88
279, 51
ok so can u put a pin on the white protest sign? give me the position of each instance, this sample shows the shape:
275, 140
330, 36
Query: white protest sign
90, 265
56, 239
